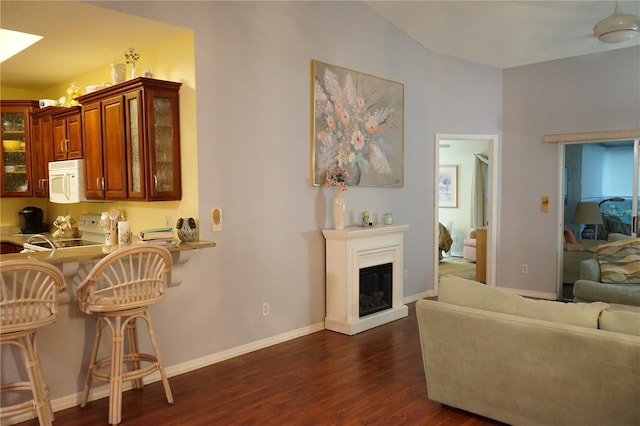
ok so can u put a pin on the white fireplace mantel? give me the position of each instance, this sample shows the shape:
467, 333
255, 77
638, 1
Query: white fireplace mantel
347, 251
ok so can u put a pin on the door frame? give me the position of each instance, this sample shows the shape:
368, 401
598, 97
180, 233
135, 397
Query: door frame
586, 138
494, 199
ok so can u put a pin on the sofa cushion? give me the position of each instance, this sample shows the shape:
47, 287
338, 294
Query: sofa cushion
617, 237
459, 291
620, 262
463, 292
621, 321
581, 314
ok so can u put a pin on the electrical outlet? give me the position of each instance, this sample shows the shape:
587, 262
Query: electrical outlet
169, 221
216, 219
525, 268
265, 309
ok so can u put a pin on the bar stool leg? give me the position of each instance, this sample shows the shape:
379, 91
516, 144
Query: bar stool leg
117, 354
92, 363
134, 349
156, 350
45, 388
35, 376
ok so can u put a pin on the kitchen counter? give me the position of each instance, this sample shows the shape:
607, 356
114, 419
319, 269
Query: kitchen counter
78, 254
85, 254
76, 262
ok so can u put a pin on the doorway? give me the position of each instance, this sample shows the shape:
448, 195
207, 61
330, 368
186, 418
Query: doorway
455, 155
599, 202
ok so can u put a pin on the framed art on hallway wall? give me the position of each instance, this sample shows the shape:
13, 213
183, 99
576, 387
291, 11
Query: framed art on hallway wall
448, 186
358, 125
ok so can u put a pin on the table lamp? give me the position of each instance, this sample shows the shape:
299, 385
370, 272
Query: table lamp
588, 214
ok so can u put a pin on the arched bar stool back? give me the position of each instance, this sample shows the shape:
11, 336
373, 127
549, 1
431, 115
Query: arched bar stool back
28, 300
120, 289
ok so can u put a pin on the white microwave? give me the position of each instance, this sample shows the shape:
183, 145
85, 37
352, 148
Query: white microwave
67, 182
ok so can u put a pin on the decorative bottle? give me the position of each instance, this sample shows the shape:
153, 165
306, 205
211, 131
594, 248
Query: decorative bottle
339, 209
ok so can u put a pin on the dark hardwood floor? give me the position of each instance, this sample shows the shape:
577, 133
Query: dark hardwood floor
325, 378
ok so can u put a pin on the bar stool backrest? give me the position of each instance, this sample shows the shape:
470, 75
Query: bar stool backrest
28, 294
131, 277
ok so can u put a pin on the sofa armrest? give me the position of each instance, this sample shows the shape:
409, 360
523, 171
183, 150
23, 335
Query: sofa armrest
590, 270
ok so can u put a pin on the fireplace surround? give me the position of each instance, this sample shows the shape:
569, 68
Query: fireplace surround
357, 249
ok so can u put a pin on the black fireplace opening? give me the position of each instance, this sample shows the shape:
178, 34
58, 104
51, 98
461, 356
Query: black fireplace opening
376, 289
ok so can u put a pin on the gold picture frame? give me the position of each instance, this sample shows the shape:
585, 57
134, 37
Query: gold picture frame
358, 125
448, 187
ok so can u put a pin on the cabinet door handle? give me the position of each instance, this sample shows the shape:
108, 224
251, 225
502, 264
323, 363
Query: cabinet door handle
103, 183
66, 142
155, 182
62, 145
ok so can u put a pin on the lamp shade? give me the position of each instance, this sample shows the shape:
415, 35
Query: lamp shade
588, 213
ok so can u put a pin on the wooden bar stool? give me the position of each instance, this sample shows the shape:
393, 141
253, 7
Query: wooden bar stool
120, 289
28, 300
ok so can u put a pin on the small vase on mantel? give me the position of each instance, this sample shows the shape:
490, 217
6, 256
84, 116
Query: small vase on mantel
339, 209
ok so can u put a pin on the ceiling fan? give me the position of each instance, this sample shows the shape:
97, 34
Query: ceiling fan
618, 27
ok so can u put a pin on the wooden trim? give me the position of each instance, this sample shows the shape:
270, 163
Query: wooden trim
481, 255
606, 135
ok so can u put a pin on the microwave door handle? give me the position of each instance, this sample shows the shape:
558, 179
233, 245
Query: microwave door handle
65, 185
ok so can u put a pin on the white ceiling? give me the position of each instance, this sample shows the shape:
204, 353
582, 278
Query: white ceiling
505, 34
80, 37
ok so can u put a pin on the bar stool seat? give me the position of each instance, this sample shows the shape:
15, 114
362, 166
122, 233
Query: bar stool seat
120, 288
28, 301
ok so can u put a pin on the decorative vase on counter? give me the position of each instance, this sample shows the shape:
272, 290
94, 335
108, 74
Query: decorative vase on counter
187, 229
339, 209
117, 73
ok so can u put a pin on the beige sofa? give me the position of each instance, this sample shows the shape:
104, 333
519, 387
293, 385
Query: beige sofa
530, 362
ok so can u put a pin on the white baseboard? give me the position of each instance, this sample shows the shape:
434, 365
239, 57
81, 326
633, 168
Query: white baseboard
418, 296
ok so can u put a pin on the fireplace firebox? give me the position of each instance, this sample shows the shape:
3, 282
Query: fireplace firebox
376, 289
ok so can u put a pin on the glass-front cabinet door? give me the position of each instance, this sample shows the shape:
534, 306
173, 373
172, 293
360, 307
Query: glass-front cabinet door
15, 178
135, 147
164, 145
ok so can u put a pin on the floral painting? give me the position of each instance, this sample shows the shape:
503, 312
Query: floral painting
358, 125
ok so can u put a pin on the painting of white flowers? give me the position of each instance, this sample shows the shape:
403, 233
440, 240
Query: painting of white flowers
358, 125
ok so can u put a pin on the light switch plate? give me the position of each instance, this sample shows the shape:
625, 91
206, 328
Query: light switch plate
544, 204
216, 219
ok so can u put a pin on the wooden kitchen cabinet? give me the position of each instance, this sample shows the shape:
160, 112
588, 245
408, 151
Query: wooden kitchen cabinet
67, 134
42, 148
15, 175
132, 141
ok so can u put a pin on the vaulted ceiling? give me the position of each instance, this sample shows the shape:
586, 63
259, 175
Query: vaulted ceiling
499, 33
